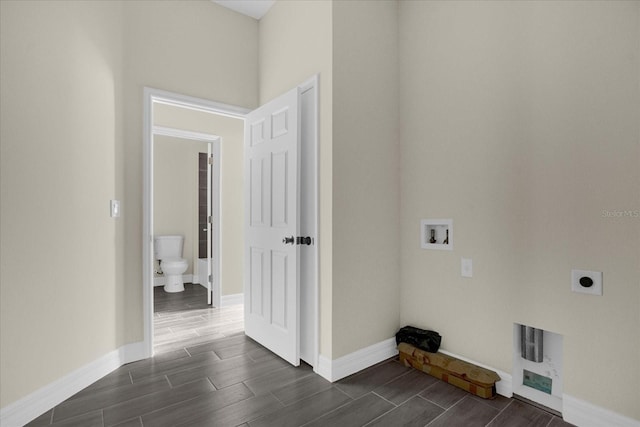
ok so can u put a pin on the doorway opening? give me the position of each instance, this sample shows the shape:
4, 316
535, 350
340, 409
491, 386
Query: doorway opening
309, 295
179, 185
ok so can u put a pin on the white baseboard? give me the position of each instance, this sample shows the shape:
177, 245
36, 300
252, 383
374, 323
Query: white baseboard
585, 414
40, 401
161, 280
233, 299
336, 369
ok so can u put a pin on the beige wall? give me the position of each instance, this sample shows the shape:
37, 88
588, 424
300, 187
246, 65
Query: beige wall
72, 81
295, 43
175, 192
366, 182
231, 132
61, 80
520, 122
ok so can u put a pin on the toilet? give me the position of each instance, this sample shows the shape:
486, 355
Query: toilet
168, 250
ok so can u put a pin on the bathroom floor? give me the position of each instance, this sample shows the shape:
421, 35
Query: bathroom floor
184, 319
207, 372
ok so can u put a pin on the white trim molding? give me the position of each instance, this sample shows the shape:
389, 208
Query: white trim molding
227, 300
585, 414
40, 401
334, 370
185, 134
232, 299
151, 96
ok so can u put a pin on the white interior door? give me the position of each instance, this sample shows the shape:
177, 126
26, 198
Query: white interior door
271, 284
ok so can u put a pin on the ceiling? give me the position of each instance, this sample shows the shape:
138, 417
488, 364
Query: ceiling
253, 8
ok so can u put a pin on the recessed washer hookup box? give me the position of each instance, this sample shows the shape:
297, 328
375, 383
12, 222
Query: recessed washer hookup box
464, 375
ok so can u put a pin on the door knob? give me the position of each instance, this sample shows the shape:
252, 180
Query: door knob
305, 240
288, 240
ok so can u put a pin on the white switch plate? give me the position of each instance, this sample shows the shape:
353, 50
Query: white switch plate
466, 267
596, 285
115, 208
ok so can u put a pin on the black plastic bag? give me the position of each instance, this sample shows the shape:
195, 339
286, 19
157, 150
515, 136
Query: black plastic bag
423, 339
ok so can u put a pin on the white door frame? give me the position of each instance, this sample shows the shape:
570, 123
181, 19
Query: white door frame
309, 222
152, 96
213, 141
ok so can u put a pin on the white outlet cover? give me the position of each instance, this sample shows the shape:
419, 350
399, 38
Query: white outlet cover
595, 276
466, 267
115, 208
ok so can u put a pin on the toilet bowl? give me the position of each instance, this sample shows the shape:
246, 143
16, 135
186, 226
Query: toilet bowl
173, 269
168, 250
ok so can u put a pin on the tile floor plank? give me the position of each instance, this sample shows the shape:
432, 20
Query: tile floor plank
363, 382
214, 369
443, 394
415, 412
155, 401
237, 413
89, 419
220, 346
116, 378
304, 411
468, 413
298, 390
405, 387
519, 414
356, 413
107, 397
246, 372
193, 409
172, 366
278, 378
135, 422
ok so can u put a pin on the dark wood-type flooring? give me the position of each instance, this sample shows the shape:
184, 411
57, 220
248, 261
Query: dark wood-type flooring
206, 372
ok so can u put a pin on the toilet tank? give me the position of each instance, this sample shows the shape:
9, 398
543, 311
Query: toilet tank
166, 247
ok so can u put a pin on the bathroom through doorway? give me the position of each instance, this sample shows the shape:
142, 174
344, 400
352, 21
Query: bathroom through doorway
175, 121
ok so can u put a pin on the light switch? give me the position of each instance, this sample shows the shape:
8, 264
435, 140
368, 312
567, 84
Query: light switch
466, 267
115, 208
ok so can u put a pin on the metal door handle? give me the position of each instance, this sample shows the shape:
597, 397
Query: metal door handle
305, 240
288, 240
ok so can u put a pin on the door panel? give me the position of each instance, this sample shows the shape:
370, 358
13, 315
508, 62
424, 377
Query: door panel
279, 200
257, 191
272, 296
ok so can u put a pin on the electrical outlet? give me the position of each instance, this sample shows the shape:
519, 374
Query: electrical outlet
586, 282
466, 267
115, 208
